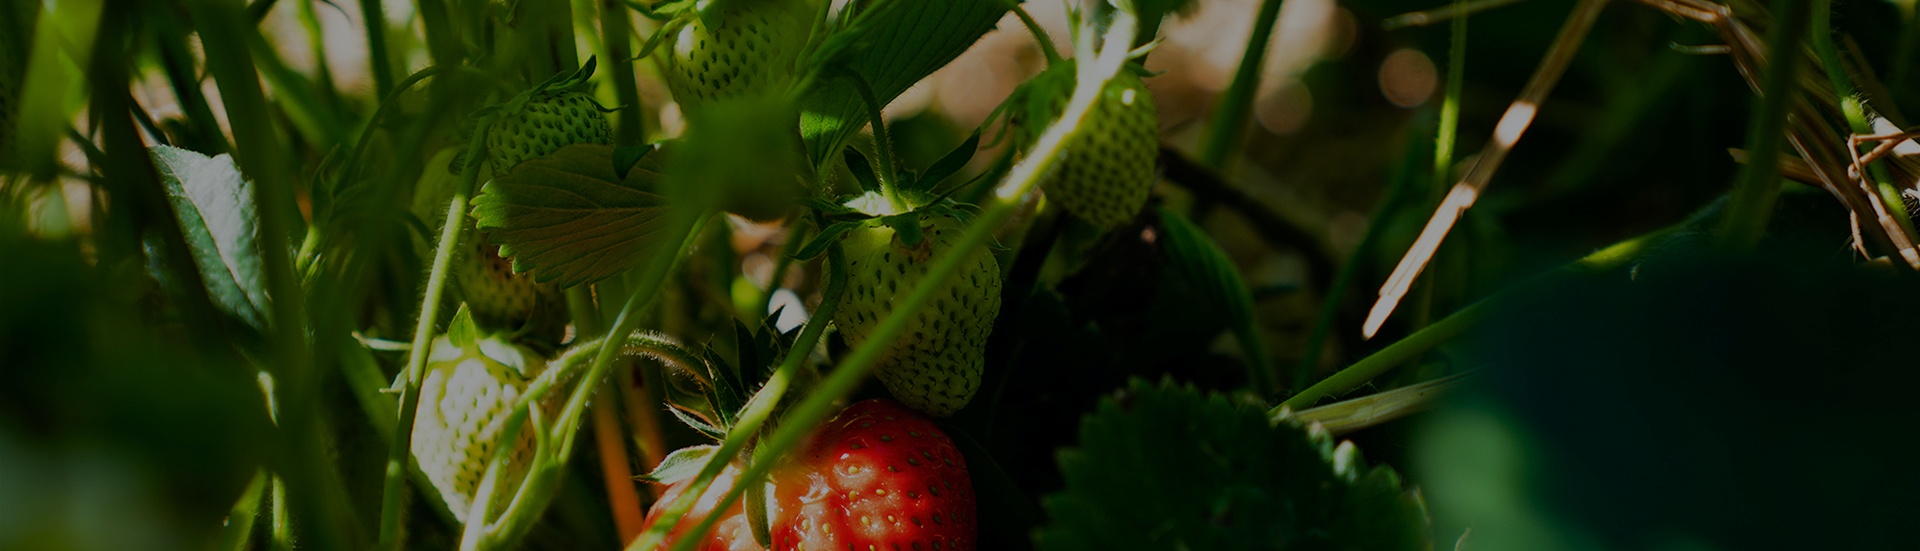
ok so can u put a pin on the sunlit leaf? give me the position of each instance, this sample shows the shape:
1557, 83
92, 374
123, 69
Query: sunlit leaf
217, 218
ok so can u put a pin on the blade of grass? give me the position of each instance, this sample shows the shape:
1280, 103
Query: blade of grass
1229, 122
1348, 416
373, 16
1751, 203
1611, 258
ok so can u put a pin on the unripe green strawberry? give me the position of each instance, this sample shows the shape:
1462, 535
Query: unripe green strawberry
750, 50
501, 300
934, 365
548, 121
464, 401
1106, 170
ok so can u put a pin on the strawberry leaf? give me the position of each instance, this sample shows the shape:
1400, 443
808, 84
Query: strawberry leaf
1202, 268
891, 44
680, 465
862, 172
569, 219
1166, 467
949, 164
216, 212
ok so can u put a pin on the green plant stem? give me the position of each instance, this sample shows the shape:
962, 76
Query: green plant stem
1350, 271
759, 408
1854, 111
1094, 75
1613, 257
1040, 35
1230, 115
423, 332
282, 537
316, 41
795, 238
1751, 204
524, 510
616, 31
1450, 105
374, 16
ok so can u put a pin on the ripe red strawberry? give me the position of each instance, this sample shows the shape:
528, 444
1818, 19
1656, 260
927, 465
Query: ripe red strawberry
877, 476
935, 364
750, 50
1106, 170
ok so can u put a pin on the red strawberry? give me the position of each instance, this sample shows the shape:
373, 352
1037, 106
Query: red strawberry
877, 476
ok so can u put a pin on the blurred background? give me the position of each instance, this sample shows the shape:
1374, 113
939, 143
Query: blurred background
1693, 401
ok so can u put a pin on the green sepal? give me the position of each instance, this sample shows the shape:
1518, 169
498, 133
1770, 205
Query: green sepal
862, 171
905, 225
462, 332
682, 464
948, 165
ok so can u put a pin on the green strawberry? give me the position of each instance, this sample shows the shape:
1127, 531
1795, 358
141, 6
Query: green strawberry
750, 50
934, 366
548, 121
1106, 168
464, 401
501, 300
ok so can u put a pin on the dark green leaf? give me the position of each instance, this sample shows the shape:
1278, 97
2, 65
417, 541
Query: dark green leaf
567, 218
1166, 467
217, 217
826, 238
1210, 274
680, 465
862, 172
891, 44
743, 156
949, 164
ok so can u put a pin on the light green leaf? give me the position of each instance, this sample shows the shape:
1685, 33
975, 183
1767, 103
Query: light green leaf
1166, 467
216, 212
892, 44
568, 219
682, 464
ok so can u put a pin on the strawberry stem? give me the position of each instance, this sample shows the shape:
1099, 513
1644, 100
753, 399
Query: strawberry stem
1040, 35
882, 144
402, 443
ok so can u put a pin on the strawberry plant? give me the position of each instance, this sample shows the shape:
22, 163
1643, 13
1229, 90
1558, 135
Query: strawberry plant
956, 275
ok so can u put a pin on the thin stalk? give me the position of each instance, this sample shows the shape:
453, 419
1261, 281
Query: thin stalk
1040, 35
374, 17
1751, 203
795, 238
316, 41
616, 31
622, 497
809, 413
423, 339
1230, 117
1373, 410
649, 291
1450, 106
1854, 111
1350, 271
1613, 257
282, 537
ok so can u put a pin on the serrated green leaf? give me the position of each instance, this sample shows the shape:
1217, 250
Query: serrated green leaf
625, 157
948, 164
568, 219
892, 44
215, 207
862, 171
1194, 258
682, 464
461, 331
1166, 467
